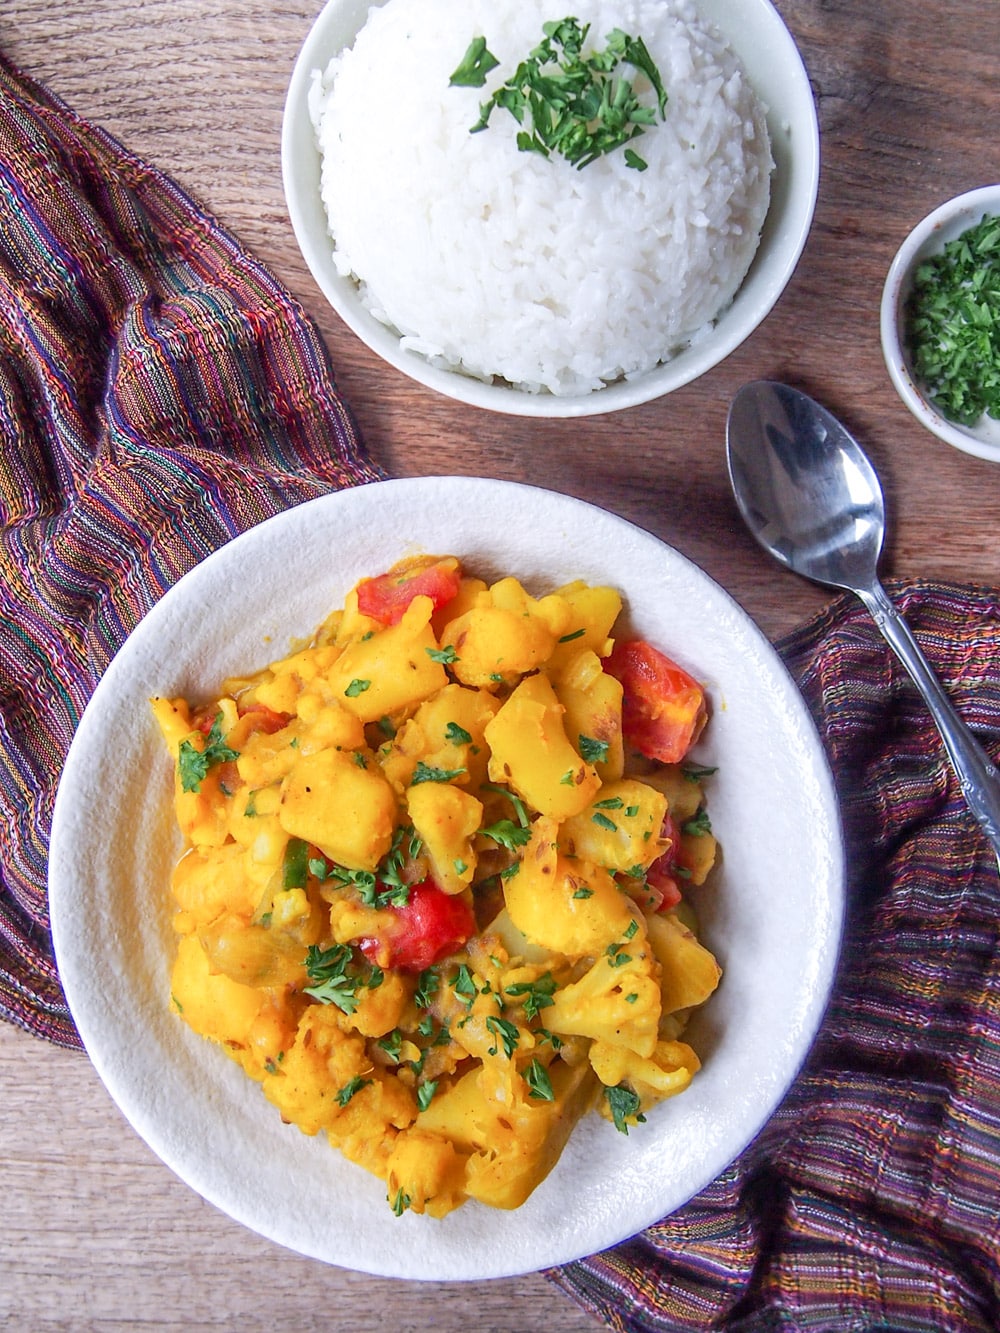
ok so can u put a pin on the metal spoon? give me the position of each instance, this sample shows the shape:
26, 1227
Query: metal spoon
811, 498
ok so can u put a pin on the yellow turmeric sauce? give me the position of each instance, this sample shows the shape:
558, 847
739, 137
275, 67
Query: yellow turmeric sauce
431, 897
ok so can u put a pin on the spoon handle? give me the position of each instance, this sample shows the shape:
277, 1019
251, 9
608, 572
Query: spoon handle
977, 774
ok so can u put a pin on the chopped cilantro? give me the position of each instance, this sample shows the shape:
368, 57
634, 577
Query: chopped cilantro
566, 103
507, 834
425, 1094
593, 751
476, 64
193, 764
392, 1044
537, 995
428, 773
428, 984
463, 985
506, 1032
327, 969
345, 1093
952, 324
540, 1085
698, 824
624, 1105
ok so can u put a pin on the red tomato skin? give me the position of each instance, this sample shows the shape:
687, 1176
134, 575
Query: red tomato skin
661, 873
663, 707
432, 925
386, 597
265, 719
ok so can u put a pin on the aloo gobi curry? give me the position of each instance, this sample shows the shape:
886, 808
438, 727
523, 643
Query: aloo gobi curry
437, 880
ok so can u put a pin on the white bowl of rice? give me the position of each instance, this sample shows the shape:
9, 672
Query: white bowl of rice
521, 281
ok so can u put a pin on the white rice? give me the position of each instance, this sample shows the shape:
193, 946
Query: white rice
502, 263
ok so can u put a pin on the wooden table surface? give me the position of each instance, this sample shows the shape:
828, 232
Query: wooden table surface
96, 1232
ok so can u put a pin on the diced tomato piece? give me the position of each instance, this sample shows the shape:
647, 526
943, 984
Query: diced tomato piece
262, 718
432, 925
387, 596
663, 708
661, 875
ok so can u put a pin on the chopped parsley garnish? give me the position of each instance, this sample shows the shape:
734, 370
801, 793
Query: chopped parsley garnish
428, 773
696, 773
624, 1105
602, 821
583, 892
507, 834
463, 985
399, 1202
392, 1044
570, 104
537, 995
540, 1085
476, 64
345, 1093
952, 324
357, 687
193, 764
576, 634
506, 1032
427, 987
516, 802
698, 824
593, 751
457, 735
327, 969
445, 655
425, 1094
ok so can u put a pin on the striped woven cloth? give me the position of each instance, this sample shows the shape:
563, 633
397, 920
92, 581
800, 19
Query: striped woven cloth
159, 393
871, 1200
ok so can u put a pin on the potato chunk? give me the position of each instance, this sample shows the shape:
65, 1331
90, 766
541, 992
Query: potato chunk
530, 751
561, 904
345, 809
390, 669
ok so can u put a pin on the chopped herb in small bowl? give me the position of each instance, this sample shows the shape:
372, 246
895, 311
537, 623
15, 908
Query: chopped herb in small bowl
940, 322
952, 324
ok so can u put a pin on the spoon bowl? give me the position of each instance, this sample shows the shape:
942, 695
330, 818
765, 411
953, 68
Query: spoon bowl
812, 499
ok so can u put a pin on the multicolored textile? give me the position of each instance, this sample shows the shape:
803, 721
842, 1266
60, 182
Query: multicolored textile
871, 1200
159, 393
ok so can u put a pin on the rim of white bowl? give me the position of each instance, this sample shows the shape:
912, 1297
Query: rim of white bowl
794, 129
929, 237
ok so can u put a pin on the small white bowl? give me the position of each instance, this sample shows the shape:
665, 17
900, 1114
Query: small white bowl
928, 238
772, 912
768, 52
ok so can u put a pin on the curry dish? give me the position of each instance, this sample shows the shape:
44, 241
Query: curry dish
435, 893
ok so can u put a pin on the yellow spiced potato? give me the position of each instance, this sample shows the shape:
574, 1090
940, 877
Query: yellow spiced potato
434, 888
